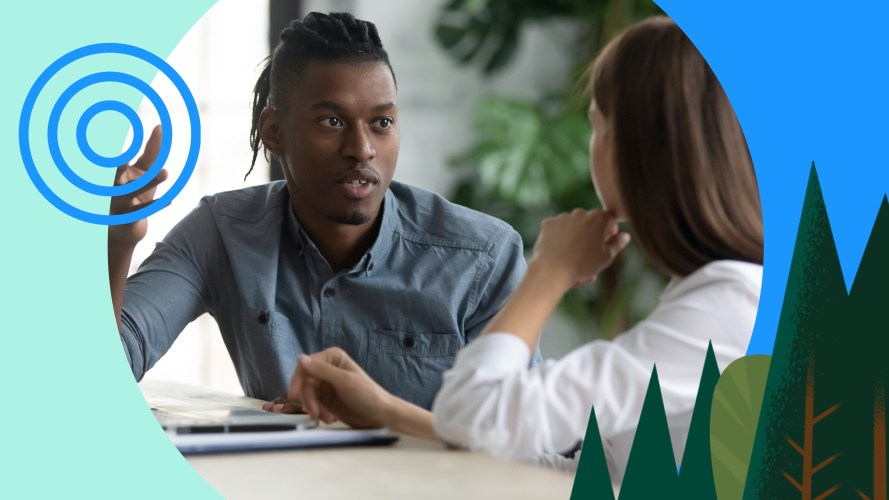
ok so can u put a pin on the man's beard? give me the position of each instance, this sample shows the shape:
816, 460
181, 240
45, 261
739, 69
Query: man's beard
351, 219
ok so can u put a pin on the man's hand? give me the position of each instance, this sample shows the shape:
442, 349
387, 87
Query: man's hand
283, 405
127, 235
122, 239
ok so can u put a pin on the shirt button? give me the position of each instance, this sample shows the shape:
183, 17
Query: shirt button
263, 317
329, 292
409, 342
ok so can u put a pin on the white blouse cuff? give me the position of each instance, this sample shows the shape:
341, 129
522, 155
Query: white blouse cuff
499, 352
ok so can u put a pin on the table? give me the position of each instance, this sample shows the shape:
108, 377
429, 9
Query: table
412, 468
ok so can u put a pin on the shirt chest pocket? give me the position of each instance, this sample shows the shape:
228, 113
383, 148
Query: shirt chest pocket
267, 348
410, 365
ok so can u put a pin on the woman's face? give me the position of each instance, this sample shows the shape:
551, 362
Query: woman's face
602, 165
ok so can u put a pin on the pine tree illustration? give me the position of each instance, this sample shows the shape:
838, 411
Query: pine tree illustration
696, 473
862, 368
592, 480
798, 452
651, 469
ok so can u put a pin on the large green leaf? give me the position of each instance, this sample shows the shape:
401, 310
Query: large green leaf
526, 155
529, 159
487, 31
737, 401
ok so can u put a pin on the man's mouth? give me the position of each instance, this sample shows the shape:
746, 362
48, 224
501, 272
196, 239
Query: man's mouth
358, 184
359, 177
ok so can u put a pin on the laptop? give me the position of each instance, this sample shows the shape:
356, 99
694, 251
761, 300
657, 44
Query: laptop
223, 419
201, 421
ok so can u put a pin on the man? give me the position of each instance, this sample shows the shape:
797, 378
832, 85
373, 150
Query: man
338, 255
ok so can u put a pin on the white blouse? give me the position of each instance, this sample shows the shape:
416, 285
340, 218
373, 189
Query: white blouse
490, 401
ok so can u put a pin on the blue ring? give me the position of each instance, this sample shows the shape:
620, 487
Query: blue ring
28, 109
110, 161
52, 134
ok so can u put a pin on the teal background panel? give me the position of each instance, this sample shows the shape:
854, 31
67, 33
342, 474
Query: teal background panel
74, 422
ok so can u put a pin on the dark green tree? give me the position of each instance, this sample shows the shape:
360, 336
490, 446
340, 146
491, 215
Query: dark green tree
696, 473
787, 462
822, 426
651, 469
862, 362
592, 480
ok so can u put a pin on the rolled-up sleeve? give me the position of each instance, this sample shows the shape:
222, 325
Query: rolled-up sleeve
168, 291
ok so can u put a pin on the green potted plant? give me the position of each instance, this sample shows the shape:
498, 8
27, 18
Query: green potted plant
529, 158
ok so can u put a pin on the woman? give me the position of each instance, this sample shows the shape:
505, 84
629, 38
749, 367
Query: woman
667, 156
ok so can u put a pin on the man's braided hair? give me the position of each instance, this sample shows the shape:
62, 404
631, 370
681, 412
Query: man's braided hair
326, 38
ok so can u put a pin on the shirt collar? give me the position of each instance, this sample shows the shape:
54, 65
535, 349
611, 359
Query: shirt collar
375, 254
388, 226
296, 234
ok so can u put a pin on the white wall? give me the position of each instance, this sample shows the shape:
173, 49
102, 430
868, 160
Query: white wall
219, 60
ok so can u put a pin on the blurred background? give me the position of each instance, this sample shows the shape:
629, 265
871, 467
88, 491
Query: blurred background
492, 114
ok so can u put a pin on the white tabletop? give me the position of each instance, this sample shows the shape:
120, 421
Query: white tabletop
412, 468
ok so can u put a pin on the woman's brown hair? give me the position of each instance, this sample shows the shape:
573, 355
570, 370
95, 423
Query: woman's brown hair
683, 169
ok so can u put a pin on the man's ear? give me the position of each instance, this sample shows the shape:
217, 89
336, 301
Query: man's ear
270, 130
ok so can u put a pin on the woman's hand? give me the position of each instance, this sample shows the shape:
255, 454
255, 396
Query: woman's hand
576, 246
333, 387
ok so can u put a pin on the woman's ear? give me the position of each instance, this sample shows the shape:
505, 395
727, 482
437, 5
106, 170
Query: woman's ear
270, 130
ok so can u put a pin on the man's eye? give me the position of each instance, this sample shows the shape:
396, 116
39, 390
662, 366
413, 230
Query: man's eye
331, 122
384, 122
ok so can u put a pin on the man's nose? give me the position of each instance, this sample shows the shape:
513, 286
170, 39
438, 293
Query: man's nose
358, 145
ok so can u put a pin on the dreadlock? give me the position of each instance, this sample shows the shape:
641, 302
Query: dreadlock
334, 37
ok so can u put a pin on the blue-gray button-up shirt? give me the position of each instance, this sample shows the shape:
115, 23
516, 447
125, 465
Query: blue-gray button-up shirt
436, 274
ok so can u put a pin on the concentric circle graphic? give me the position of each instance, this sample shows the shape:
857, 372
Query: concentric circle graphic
108, 106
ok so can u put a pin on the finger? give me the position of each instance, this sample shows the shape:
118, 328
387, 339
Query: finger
297, 380
147, 192
310, 397
617, 243
327, 372
134, 205
340, 358
584, 282
152, 184
327, 416
611, 229
152, 148
288, 407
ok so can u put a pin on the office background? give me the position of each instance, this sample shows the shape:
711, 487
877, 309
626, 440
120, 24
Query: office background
220, 60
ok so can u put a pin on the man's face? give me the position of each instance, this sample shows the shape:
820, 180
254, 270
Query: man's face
338, 141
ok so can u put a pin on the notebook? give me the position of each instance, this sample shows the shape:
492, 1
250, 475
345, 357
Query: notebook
201, 421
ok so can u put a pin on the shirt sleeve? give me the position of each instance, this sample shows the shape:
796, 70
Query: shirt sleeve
490, 402
504, 271
169, 290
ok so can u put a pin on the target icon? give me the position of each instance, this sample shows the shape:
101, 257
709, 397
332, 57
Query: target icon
87, 152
